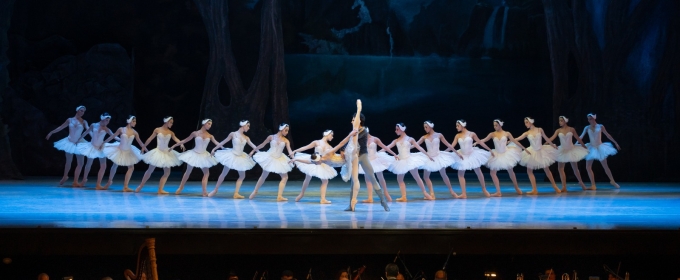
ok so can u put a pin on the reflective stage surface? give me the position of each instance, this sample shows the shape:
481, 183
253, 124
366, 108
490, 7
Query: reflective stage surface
39, 202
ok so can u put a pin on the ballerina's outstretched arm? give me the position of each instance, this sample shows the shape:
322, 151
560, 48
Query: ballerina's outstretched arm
114, 135
265, 142
219, 145
174, 138
610, 137
513, 140
418, 147
139, 141
86, 132
583, 134
61, 127
474, 137
384, 148
552, 138
578, 139
153, 136
191, 136
290, 152
545, 137
304, 148
250, 143
341, 144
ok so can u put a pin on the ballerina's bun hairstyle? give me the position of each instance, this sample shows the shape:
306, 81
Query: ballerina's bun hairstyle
564, 118
461, 122
362, 118
105, 115
167, 119
499, 122
592, 115
206, 121
401, 126
530, 120
316, 157
429, 123
80, 107
243, 122
130, 118
283, 126
327, 132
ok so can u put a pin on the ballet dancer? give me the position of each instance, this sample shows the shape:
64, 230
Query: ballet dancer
161, 156
320, 170
123, 153
94, 149
274, 161
329, 157
234, 158
198, 156
441, 160
597, 150
380, 161
69, 144
356, 155
408, 163
537, 156
505, 156
567, 152
471, 157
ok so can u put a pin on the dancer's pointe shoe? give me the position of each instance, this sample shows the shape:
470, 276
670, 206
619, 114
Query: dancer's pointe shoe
427, 196
299, 197
252, 195
324, 201
99, 187
162, 192
76, 185
238, 196
179, 190
518, 191
614, 184
583, 187
63, 180
402, 199
205, 194
454, 194
532, 193
281, 198
432, 195
212, 193
108, 184
592, 188
564, 189
557, 190
496, 194
388, 197
486, 193
126, 189
139, 189
370, 200
353, 204
82, 183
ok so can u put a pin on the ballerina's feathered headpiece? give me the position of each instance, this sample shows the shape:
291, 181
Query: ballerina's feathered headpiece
130, 118
167, 119
105, 116
566, 120
401, 126
462, 123
243, 122
327, 132
429, 123
594, 116
206, 121
80, 107
283, 126
499, 122
530, 120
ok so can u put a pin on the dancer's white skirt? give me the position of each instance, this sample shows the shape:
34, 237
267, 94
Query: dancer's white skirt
442, 160
321, 170
162, 159
88, 150
600, 152
228, 158
279, 165
542, 158
403, 166
200, 160
68, 146
475, 159
573, 154
380, 163
506, 160
122, 157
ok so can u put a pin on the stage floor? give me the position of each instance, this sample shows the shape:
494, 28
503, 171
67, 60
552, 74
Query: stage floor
38, 202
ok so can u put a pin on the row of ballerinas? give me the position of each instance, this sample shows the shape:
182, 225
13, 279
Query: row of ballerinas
507, 153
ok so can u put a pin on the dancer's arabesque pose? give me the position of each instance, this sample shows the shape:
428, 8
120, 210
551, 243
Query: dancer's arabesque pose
69, 145
597, 150
162, 156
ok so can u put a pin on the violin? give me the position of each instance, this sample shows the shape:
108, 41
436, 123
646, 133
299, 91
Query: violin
359, 272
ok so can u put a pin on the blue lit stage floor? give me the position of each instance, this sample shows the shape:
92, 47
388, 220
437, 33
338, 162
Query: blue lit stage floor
39, 202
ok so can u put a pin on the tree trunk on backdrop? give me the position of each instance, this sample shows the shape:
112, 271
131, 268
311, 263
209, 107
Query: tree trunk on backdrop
7, 167
269, 81
601, 82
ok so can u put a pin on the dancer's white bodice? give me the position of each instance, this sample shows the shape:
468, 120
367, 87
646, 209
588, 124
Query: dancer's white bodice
75, 129
372, 150
404, 148
200, 144
238, 144
97, 135
163, 141
125, 140
565, 140
595, 136
322, 147
535, 141
432, 146
465, 144
276, 148
500, 144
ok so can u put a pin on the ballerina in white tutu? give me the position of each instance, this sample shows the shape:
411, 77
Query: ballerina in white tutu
598, 150
567, 152
505, 156
123, 153
69, 145
408, 162
198, 156
161, 156
441, 160
94, 149
274, 161
472, 158
234, 158
380, 161
537, 156
320, 164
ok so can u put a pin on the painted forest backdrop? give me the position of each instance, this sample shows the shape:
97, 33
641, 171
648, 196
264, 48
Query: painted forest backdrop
305, 62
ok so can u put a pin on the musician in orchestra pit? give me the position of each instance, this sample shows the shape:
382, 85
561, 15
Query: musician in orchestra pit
342, 275
440, 275
287, 275
391, 271
43, 276
400, 276
232, 275
550, 274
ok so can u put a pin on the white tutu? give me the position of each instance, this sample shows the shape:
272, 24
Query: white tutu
321, 170
442, 160
228, 158
268, 163
88, 150
542, 158
475, 159
403, 166
68, 146
572, 154
200, 160
600, 152
162, 159
121, 157
506, 160
380, 163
